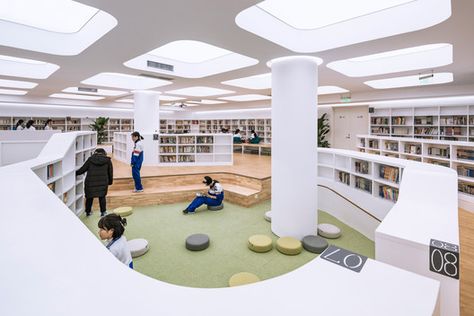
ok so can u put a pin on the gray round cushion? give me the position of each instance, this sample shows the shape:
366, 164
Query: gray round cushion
329, 231
197, 242
314, 244
138, 247
268, 216
215, 208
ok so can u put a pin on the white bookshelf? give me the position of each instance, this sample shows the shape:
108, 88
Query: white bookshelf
451, 154
181, 149
454, 123
59, 174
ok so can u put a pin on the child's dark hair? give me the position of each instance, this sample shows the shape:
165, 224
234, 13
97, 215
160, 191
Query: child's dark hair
137, 134
19, 122
115, 222
47, 122
29, 123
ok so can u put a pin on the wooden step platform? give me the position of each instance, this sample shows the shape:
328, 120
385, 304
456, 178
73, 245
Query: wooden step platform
238, 189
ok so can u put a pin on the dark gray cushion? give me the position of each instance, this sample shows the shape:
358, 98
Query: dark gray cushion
215, 208
314, 244
197, 242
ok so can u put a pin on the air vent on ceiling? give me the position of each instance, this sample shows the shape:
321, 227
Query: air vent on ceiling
154, 64
82, 89
156, 77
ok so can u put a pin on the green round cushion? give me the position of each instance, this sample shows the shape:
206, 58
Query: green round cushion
243, 278
260, 243
289, 246
123, 211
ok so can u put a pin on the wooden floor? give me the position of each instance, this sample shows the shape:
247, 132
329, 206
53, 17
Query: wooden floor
260, 167
244, 164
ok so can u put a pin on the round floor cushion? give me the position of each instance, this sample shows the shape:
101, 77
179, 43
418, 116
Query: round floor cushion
289, 246
329, 231
215, 208
123, 211
260, 243
314, 244
138, 247
243, 278
268, 216
197, 242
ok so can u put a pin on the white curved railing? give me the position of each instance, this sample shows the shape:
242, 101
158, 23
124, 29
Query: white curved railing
52, 265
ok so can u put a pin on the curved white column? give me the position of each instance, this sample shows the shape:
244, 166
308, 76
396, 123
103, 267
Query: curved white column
294, 146
146, 113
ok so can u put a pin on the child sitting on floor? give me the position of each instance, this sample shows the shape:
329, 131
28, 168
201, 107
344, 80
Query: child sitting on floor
214, 197
111, 228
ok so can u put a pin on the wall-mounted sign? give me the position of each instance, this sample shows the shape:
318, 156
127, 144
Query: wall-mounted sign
444, 258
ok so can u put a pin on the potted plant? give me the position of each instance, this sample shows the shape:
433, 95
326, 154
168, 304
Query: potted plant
99, 126
323, 130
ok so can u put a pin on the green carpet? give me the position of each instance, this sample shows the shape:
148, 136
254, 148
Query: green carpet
166, 229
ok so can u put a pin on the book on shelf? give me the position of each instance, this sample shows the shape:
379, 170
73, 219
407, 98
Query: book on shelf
168, 149
399, 120
413, 149
389, 173
466, 188
344, 177
186, 139
186, 158
393, 146
205, 140
379, 120
65, 197
424, 120
466, 154
204, 149
465, 171
168, 159
373, 143
50, 171
186, 149
440, 152
52, 186
388, 193
363, 184
362, 167
453, 120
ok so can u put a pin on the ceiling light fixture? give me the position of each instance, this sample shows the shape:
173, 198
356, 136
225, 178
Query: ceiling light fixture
411, 81
13, 92
75, 97
199, 91
26, 68
17, 84
124, 81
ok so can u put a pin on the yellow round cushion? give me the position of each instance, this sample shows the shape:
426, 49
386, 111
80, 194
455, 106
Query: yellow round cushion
243, 278
289, 245
123, 211
260, 243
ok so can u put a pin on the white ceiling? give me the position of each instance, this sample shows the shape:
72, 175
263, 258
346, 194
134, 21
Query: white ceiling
144, 25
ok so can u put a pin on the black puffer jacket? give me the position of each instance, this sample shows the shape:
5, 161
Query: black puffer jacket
99, 175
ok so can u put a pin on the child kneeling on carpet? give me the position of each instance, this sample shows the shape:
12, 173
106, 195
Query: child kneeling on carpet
214, 197
111, 228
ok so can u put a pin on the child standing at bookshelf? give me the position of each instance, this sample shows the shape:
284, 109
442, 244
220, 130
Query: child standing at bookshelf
111, 228
137, 160
99, 176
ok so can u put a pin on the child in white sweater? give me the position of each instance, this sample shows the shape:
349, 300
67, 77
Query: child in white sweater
111, 228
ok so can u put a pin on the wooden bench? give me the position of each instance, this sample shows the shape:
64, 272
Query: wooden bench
259, 147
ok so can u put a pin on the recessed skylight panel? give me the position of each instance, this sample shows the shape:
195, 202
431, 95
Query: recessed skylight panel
246, 97
50, 15
418, 57
200, 91
331, 90
257, 82
309, 26
17, 84
313, 14
190, 59
26, 68
13, 92
124, 81
75, 96
411, 81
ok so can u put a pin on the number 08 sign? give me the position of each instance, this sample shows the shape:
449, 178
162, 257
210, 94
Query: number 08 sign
444, 258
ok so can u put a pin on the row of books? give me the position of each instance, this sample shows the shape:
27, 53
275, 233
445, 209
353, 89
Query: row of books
204, 149
380, 130
391, 146
426, 130
423, 120
440, 152
362, 166
466, 188
465, 171
186, 140
363, 184
186, 149
399, 120
168, 149
388, 193
50, 171
205, 140
467, 154
389, 173
413, 149
344, 177
450, 131
168, 159
186, 158
167, 140
453, 120
379, 120
373, 143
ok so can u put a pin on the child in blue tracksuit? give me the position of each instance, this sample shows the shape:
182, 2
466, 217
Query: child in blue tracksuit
137, 160
214, 198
